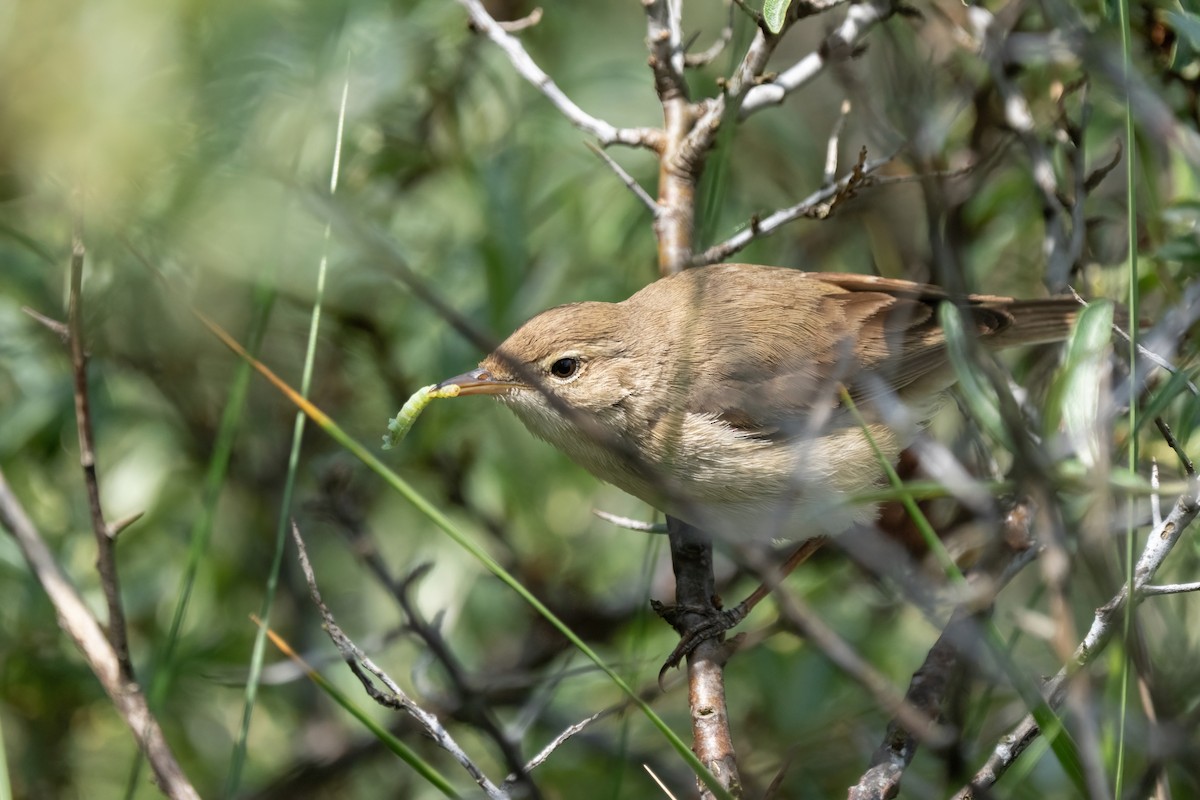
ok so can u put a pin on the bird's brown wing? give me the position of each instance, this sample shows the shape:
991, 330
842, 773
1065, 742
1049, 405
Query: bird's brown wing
877, 337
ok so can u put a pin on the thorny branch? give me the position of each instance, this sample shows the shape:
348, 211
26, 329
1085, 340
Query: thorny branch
440, 650
77, 622
106, 557
860, 19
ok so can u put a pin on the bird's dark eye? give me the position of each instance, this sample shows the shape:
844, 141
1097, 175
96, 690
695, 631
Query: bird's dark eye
564, 367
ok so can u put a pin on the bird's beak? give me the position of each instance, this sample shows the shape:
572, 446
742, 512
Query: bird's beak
478, 381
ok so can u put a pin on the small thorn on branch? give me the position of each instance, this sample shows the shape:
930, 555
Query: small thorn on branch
831, 149
517, 25
59, 329
1170, 439
114, 529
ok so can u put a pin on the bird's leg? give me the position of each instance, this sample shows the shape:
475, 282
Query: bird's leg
715, 621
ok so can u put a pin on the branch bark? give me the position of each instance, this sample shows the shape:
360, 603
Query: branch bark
106, 558
691, 557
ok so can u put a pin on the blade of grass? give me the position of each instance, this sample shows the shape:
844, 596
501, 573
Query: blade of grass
439, 519
238, 758
1134, 316
162, 669
5, 785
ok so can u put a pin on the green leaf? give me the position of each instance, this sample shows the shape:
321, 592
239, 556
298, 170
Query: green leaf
978, 394
1075, 396
775, 13
1178, 383
1185, 24
1183, 248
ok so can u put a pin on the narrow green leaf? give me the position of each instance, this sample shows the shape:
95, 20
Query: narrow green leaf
979, 396
1076, 394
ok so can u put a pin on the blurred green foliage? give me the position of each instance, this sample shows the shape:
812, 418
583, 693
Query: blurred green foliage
199, 136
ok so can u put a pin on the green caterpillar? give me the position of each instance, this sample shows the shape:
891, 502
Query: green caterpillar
398, 427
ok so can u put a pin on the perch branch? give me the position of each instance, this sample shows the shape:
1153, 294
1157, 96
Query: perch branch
691, 556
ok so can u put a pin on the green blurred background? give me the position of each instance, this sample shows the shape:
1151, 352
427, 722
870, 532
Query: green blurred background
199, 136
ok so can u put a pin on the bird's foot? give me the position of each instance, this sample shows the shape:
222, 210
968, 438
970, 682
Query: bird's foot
696, 624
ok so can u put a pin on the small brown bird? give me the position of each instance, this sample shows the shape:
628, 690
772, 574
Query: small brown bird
715, 394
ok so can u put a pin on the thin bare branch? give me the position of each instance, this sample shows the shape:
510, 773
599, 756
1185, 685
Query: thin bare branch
528, 21
54, 326
1170, 588
831, 147
629, 523
860, 19
707, 56
528, 69
798, 617
817, 205
106, 557
554, 744
1173, 443
933, 683
1055, 245
102, 658
664, 37
627, 179
115, 528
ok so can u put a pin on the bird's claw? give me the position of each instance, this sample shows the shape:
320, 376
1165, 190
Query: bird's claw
695, 624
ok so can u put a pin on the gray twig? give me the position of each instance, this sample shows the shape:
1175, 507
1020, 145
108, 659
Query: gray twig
106, 557
817, 205
629, 523
860, 19
627, 179
528, 69
395, 697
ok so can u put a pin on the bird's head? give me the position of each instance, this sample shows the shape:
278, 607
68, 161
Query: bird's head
572, 360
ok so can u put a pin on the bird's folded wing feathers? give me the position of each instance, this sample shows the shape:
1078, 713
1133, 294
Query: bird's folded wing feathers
892, 340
